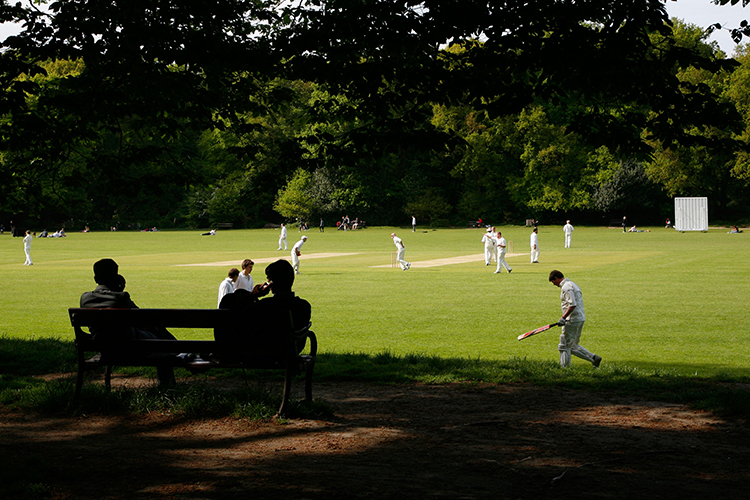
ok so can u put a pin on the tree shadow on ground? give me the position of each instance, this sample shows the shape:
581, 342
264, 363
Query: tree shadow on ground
399, 441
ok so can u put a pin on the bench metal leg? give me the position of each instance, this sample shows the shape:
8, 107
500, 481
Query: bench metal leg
79, 384
287, 392
108, 378
308, 380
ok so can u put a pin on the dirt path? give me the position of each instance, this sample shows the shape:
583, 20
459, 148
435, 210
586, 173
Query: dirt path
401, 441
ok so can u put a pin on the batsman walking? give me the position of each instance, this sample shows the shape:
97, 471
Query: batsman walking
572, 320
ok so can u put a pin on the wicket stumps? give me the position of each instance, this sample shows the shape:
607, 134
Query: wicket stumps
393, 259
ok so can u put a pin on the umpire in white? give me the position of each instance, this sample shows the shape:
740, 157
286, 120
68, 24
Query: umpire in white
572, 320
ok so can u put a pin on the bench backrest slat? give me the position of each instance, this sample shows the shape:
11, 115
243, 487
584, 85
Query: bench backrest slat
175, 318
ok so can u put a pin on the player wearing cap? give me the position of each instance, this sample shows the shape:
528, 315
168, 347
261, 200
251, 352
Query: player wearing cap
489, 246
296, 253
401, 251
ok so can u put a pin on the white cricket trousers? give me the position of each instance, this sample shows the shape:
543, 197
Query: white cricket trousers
488, 252
295, 262
501, 263
569, 338
400, 257
535, 254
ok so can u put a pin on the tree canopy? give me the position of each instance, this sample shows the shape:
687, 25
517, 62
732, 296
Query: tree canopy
202, 111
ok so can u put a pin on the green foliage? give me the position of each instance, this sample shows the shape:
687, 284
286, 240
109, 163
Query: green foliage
428, 206
196, 112
293, 200
629, 190
710, 166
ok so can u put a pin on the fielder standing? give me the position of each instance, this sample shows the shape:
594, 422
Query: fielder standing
282, 236
501, 250
27, 248
296, 253
572, 320
489, 246
534, 244
401, 251
568, 230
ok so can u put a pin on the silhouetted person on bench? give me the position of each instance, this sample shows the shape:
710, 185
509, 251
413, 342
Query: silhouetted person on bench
268, 314
110, 293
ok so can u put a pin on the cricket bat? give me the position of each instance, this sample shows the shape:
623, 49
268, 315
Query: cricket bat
538, 330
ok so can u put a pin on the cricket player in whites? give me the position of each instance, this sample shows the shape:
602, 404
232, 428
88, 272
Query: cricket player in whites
296, 252
534, 244
568, 230
282, 236
572, 320
502, 247
401, 251
489, 246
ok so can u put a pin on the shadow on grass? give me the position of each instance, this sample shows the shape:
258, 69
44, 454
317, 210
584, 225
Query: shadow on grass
37, 356
23, 361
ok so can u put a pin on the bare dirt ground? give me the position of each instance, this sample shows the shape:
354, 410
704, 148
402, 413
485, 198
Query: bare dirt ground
400, 441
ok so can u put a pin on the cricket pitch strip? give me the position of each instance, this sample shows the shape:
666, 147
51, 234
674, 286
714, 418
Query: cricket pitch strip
463, 259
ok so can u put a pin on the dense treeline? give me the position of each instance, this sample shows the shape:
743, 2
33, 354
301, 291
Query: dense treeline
192, 113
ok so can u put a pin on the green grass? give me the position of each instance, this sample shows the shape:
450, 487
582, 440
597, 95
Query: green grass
653, 300
658, 304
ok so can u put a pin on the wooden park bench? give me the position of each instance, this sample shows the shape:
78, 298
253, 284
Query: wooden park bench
225, 225
274, 350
